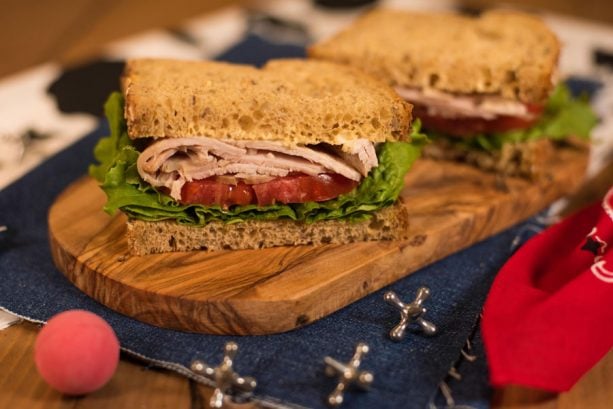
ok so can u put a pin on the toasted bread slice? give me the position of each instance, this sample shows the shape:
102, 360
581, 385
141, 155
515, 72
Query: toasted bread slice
293, 101
390, 223
508, 54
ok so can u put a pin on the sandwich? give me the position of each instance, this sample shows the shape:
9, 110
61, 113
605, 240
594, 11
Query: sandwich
483, 87
210, 156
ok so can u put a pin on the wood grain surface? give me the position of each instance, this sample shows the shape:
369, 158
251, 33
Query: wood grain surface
451, 206
71, 31
134, 385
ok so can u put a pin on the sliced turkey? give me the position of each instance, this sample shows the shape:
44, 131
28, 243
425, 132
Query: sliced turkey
457, 106
171, 162
359, 153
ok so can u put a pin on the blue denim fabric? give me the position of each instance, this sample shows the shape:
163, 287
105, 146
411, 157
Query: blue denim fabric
287, 366
256, 51
472, 389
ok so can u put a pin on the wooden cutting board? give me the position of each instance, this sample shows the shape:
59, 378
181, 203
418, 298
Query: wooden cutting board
273, 290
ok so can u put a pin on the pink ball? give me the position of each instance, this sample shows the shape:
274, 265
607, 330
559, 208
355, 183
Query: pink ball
77, 352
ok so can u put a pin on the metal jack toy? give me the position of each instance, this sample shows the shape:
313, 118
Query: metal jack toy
348, 374
226, 380
410, 312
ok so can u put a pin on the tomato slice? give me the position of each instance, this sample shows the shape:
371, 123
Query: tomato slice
303, 188
467, 126
298, 188
211, 192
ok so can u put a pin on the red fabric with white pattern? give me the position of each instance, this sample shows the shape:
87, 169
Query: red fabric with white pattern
549, 315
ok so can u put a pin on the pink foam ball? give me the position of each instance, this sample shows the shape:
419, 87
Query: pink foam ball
77, 352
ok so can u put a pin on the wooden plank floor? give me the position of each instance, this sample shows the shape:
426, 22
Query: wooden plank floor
71, 31
133, 386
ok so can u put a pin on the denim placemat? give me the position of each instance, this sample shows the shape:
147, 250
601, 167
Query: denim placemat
289, 367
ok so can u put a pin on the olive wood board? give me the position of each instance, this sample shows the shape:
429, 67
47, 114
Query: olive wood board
451, 206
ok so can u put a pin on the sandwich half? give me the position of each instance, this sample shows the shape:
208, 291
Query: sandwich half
209, 156
483, 87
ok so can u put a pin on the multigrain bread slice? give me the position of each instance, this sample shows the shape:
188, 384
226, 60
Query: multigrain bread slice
294, 101
529, 159
508, 54
390, 223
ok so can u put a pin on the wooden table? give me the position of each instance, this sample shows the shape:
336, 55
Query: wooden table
70, 31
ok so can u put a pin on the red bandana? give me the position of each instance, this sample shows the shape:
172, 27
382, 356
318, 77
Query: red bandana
549, 315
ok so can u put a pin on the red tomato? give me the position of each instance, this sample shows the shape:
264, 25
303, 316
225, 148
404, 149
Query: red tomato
303, 188
288, 189
211, 192
471, 126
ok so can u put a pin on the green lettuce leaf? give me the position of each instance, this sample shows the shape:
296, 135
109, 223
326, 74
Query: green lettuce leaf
108, 148
126, 191
564, 116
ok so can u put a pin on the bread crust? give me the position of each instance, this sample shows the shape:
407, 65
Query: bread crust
292, 101
509, 54
390, 223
